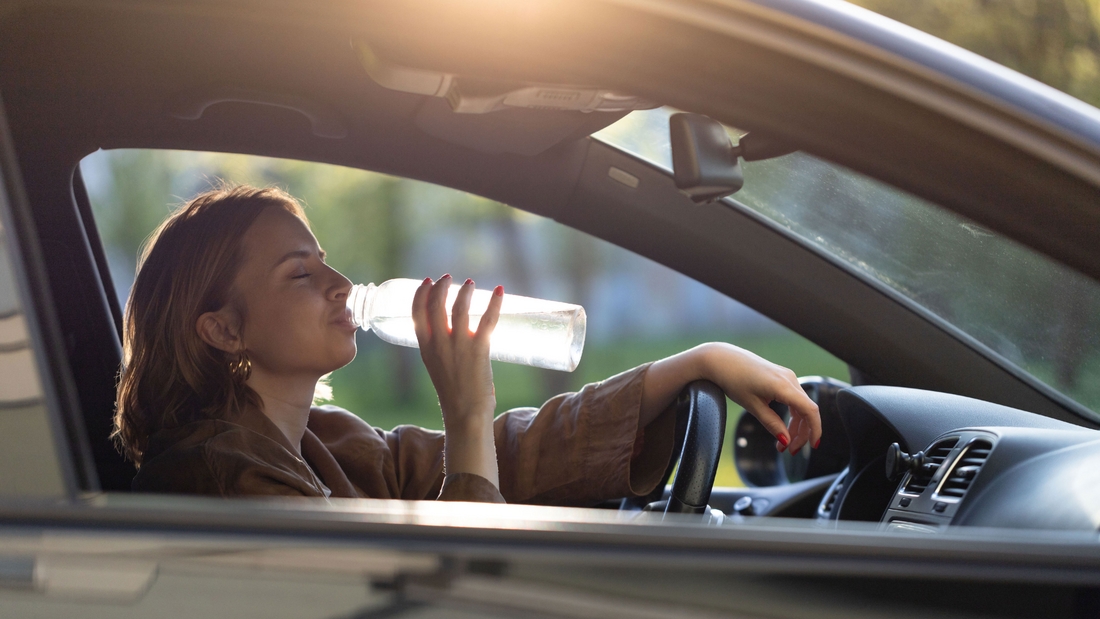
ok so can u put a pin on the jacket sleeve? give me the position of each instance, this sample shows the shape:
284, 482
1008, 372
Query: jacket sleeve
577, 449
359, 460
584, 447
469, 487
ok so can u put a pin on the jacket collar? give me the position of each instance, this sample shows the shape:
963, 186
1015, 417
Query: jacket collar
254, 419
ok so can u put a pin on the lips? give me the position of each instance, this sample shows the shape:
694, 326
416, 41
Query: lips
344, 320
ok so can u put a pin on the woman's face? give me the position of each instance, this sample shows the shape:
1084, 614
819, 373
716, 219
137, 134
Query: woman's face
295, 320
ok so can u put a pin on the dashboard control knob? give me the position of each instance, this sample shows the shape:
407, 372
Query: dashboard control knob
898, 462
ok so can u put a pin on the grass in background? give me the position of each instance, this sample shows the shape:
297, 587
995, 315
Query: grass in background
368, 389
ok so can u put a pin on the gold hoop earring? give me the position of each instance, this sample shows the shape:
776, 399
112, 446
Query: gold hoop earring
241, 367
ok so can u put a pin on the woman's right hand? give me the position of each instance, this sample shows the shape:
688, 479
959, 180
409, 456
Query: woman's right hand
754, 383
457, 360
747, 379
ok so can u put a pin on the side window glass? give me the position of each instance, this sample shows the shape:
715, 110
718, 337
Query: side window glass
376, 227
29, 463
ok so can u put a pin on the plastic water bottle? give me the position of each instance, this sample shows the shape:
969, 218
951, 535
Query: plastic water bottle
544, 334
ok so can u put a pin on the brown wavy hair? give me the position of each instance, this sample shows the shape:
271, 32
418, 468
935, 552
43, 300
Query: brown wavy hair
170, 376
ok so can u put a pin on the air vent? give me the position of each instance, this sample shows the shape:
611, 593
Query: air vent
826, 506
935, 456
831, 499
965, 470
829, 502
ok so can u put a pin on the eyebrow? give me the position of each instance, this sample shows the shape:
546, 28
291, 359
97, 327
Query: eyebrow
298, 253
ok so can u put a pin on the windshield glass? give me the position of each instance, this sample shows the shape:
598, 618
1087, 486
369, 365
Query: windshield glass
1037, 314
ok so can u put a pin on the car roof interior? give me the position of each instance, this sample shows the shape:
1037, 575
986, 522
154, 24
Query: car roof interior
79, 76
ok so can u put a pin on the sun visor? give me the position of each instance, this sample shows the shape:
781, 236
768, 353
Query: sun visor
501, 117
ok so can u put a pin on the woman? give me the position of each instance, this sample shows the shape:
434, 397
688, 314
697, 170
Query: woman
234, 318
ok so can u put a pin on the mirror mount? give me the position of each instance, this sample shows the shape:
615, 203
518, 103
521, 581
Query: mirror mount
705, 163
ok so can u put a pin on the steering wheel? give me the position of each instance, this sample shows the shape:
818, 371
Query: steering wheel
700, 429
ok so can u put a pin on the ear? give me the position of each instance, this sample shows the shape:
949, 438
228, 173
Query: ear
221, 329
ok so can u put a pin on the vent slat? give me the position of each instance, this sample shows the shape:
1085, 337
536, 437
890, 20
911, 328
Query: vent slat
966, 470
831, 500
936, 455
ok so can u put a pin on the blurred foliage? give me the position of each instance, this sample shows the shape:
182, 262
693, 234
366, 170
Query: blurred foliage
1054, 41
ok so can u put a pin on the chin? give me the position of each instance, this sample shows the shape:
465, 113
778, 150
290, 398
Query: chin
346, 357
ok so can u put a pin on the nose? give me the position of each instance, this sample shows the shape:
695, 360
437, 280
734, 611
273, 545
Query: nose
339, 287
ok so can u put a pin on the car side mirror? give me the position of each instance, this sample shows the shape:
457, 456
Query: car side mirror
705, 163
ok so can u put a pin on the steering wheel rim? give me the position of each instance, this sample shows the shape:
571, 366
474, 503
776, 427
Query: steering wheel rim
700, 430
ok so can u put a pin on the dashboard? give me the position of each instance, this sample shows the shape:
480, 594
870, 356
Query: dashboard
918, 461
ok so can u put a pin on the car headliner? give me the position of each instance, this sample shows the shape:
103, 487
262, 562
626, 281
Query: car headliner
80, 75
111, 69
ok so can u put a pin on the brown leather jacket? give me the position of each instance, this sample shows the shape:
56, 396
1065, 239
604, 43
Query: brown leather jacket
578, 449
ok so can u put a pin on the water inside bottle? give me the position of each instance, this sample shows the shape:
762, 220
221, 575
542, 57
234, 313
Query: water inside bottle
536, 332
532, 338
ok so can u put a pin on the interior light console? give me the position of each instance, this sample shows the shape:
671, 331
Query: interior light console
469, 95
934, 482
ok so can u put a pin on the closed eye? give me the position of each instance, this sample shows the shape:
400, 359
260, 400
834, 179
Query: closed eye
302, 276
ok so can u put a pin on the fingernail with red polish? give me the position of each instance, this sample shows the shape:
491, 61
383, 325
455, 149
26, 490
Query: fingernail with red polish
446, 276
427, 280
795, 452
468, 282
783, 440
817, 443
499, 291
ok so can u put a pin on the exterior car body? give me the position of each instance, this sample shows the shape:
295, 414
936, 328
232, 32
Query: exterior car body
284, 79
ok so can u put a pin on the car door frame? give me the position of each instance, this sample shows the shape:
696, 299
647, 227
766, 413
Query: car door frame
71, 446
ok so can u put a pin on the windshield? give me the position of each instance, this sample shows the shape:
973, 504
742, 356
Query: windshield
1037, 314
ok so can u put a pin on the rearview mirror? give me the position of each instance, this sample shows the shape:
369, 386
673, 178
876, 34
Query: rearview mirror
704, 164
